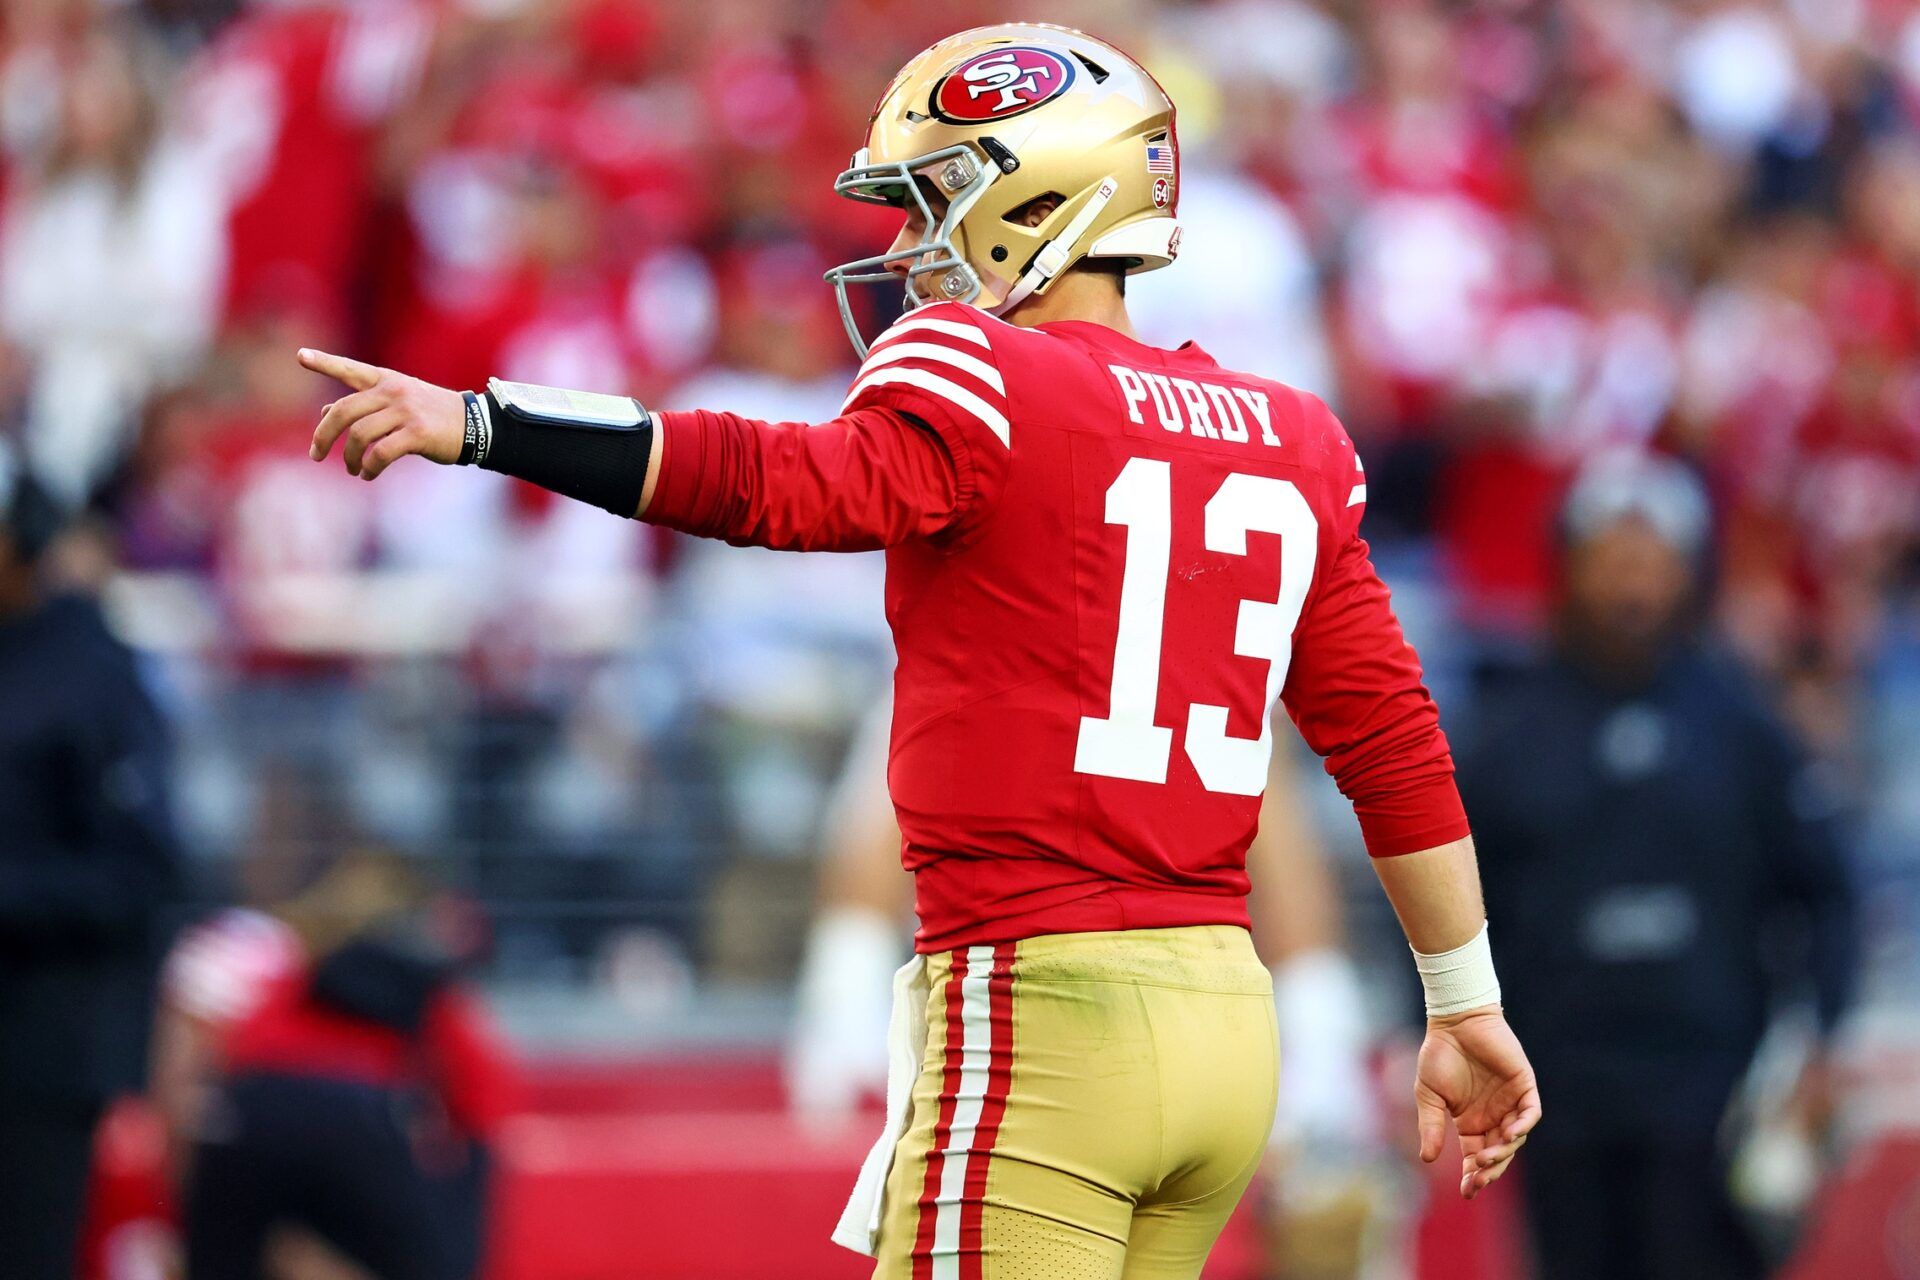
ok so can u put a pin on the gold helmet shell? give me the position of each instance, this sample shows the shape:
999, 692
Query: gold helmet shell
994, 120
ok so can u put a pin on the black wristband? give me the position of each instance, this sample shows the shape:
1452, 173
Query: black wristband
471, 450
601, 465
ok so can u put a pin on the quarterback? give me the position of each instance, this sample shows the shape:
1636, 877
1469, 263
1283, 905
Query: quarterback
1105, 562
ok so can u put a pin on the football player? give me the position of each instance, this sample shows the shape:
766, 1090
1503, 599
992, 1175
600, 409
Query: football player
1105, 562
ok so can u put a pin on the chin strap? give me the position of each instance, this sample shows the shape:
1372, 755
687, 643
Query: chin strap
1052, 258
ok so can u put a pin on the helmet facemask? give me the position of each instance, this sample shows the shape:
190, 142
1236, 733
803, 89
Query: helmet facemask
937, 258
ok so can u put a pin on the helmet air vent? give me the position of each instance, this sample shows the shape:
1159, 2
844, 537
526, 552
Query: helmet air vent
1094, 69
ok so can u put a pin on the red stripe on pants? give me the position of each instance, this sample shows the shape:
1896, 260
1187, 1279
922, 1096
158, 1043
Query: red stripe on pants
943, 1130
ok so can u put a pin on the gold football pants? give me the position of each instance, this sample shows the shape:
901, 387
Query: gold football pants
1090, 1107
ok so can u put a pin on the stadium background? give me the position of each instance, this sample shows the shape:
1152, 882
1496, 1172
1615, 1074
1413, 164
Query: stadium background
1499, 236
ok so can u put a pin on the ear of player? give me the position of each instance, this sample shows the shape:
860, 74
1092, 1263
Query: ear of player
991, 121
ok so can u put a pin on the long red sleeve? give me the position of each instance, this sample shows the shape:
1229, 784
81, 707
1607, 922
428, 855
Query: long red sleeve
868, 479
472, 1062
1355, 692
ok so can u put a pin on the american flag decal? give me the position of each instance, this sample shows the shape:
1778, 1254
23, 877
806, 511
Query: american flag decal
1159, 157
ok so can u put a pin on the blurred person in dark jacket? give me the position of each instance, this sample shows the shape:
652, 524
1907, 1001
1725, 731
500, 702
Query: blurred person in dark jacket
1662, 869
331, 1086
87, 867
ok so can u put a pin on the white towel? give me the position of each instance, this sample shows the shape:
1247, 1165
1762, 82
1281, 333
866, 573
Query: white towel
859, 1225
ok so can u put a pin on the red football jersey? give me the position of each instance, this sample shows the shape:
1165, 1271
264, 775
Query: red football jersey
1106, 562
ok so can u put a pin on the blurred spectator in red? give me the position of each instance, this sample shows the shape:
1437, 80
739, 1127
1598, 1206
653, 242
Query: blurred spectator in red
284, 110
223, 495
551, 183
1426, 187
322, 1068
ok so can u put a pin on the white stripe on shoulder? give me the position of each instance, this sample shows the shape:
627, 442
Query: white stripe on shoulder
942, 355
948, 390
1358, 496
934, 324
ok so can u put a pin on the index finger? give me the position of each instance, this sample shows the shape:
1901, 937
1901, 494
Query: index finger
354, 373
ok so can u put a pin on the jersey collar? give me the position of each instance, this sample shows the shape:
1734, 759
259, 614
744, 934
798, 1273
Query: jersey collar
1100, 335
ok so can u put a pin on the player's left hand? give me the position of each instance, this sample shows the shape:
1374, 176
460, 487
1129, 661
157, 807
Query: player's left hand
1473, 1071
388, 416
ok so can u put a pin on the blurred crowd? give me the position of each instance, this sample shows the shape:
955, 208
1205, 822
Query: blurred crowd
1502, 237
1505, 239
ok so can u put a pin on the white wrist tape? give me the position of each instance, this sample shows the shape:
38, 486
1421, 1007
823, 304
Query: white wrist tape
1460, 979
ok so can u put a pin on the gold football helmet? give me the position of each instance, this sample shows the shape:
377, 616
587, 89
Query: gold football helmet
993, 120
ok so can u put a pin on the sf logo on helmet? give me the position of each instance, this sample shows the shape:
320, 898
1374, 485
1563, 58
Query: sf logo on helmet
1006, 82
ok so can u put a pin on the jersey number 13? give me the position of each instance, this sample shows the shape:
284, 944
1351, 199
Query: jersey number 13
1126, 743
